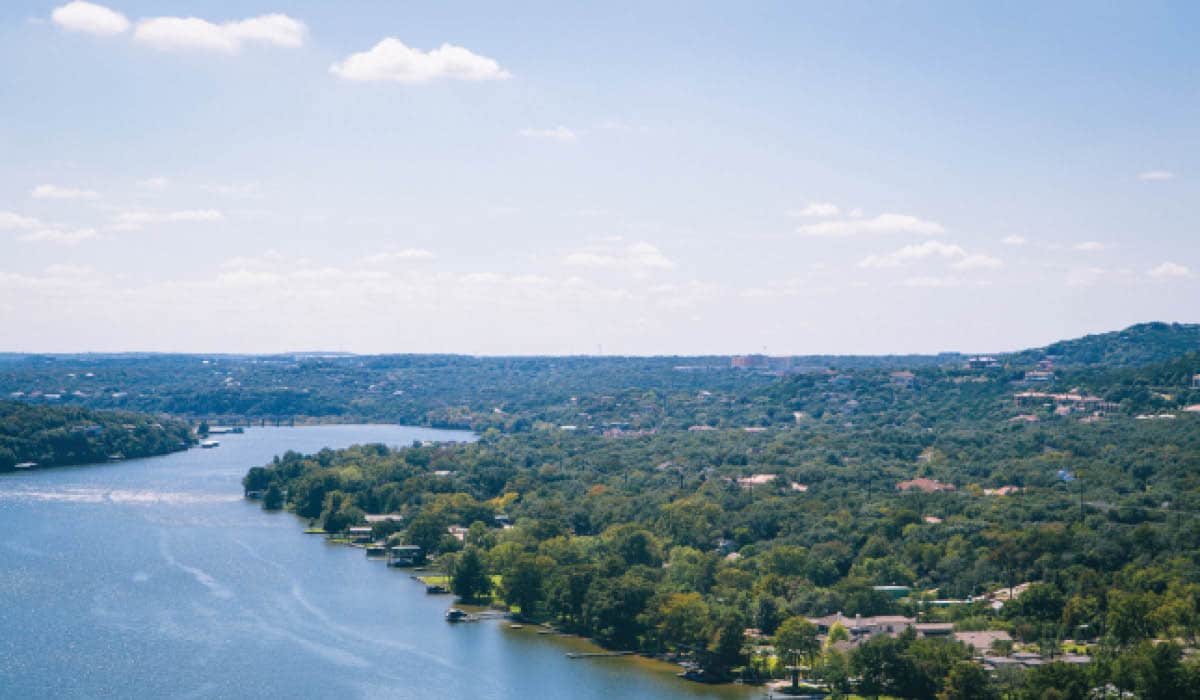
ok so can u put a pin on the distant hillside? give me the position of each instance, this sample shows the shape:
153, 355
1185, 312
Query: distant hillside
48, 436
1142, 344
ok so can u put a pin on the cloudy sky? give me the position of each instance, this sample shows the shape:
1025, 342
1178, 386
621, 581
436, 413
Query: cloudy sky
642, 178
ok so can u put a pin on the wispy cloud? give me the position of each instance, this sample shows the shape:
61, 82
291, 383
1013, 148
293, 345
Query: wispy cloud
887, 223
60, 236
1084, 276
1170, 269
398, 256
977, 261
636, 257
559, 133
913, 252
56, 192
391, 60
246, 190
816, 209
933, 282
10, 220
131, 220
1090, 246
1014, 240
1156, 175
156, 184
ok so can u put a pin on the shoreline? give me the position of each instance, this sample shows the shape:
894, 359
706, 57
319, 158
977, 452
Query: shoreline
571, 643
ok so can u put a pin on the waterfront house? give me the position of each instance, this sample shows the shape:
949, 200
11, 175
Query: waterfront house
934, 629
983, 641
859, 626
360, 534
404, 555
982, 362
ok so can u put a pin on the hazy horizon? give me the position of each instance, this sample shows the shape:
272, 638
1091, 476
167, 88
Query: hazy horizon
537, 179
346, 353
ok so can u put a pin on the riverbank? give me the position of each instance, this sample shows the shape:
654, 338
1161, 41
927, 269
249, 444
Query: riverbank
210, 581
572, 646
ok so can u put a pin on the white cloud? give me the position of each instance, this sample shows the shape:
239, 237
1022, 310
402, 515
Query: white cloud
399, 255
1084, 276
933, 282
1156, 175
89, 18
56, 192
248, 190
913, 252
193, 33
962, 260
978, 261
154, 183
391, 60
886, 223
1170, 269
9, 220
60, 236
817, 209
636, 257
1014, 240
130, 220
1090, 246
559, 133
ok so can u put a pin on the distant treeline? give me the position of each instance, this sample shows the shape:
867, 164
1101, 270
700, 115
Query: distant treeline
1142, 368
48, 436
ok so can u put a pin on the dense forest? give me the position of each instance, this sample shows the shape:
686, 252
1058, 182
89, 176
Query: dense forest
48, 436
520, 394
718, 517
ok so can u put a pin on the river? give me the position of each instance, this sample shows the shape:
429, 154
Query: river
154, 578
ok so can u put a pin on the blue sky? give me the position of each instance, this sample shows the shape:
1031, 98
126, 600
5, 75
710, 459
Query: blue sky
676, 178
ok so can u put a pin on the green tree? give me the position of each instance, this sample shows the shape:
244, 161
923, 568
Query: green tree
273, 498
522, 583
725, 648
426, 531
967, 681
682, 620
1129, 616
796, 639
1057, 680
469, 580
837, 633
767, 614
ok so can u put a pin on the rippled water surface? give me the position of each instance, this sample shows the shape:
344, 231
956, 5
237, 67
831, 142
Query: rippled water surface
154, 578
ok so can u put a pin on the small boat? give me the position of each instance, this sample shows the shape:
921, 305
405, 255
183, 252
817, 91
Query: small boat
516, 626
437, 589
209, 444
456, 615
25, 465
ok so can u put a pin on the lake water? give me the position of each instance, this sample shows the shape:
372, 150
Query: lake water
154, 578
